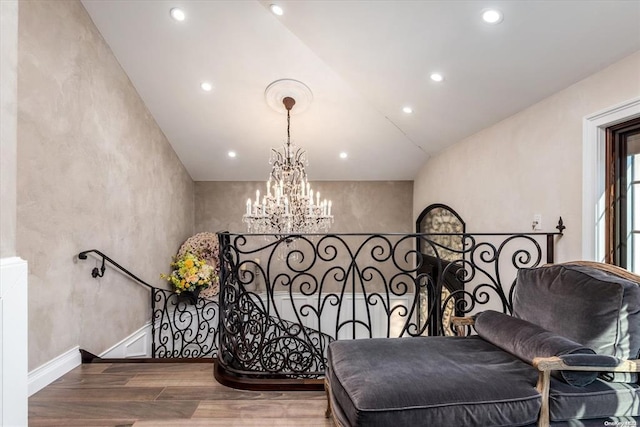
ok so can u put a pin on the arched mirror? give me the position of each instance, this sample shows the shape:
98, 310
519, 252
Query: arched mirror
441, 219
440, 249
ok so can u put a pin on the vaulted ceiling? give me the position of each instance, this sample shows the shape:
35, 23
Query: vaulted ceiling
364, 61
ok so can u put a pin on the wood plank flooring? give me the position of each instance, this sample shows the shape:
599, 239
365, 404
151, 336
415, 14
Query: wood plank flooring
167, 394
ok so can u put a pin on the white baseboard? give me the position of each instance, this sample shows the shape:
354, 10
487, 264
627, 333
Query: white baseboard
45, 374
138, 344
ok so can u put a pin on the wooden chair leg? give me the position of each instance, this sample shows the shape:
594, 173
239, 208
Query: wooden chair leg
544, 381
327, 413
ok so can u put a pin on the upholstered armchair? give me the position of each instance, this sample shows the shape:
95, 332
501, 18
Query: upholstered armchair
568, 355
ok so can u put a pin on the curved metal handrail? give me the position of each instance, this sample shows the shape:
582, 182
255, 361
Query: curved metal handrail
180, 327
99, 272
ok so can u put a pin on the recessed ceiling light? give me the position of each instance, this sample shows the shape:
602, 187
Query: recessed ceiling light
492, 16
177, 14
436, 77
232, 154
408, 110
206, 86
343, 155
277, 10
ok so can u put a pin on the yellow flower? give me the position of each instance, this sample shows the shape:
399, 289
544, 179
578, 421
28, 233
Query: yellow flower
190, 272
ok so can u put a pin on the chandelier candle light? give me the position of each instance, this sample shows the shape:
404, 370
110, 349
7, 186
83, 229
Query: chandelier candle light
289, 206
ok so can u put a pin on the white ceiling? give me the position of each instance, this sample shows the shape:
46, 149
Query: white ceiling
364, 61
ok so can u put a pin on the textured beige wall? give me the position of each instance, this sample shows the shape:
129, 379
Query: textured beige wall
94, 171
358, 206
8, 123
529, 163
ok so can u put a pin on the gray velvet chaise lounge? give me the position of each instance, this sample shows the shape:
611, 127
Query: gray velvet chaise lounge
569, 352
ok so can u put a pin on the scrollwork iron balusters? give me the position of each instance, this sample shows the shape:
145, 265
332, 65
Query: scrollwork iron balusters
182, 329
318, 288
283, 299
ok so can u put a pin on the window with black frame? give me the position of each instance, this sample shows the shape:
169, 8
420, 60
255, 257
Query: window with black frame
622, 197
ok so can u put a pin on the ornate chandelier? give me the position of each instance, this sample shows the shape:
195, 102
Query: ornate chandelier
289, 206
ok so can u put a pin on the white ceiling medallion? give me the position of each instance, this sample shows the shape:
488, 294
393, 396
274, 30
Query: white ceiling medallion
277, 91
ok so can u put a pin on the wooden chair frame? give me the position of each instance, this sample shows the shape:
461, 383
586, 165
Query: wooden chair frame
547, 364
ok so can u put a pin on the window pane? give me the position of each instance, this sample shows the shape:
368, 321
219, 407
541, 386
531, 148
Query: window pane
633, 208
635, 259
634, 201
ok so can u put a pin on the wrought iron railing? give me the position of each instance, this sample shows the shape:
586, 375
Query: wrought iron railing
283, 299
181, 327
184, 326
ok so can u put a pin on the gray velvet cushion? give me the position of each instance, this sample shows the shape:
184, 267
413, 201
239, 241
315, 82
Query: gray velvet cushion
431, 381
435, 381
598, 399
528, 341
590, 360
595, 308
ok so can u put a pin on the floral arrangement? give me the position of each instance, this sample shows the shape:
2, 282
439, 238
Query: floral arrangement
190, 272
205, 246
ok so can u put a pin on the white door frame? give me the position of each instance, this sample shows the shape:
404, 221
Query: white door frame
593, 170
